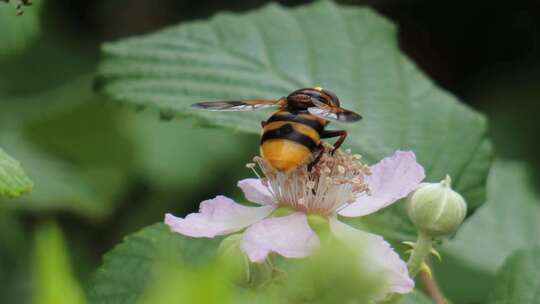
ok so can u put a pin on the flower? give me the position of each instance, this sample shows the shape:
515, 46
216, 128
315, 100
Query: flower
436, 209
338, 184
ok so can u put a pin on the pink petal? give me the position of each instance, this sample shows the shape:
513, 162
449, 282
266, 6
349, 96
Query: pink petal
289, 236
376, 253
255, 191
392, 178
217, 216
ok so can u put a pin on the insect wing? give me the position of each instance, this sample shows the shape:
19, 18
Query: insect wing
333, 113
242, 105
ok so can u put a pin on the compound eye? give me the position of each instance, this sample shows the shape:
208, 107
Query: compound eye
333, 96
333, 100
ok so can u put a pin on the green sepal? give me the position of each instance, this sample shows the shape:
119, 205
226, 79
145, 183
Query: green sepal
282, 211
319, 224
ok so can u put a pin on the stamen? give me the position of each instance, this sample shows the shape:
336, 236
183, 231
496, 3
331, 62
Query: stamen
331, 185
252, 167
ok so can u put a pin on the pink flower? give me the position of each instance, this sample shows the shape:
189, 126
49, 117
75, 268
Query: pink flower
339, 184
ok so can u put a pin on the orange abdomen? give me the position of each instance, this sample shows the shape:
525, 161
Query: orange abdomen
283, 154
288, 139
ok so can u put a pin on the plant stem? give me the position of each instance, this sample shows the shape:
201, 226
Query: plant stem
420, 252
432, 289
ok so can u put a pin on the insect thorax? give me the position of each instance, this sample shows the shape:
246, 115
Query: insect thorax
299, 116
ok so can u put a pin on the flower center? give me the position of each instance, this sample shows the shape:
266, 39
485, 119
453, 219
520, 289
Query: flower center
332, 183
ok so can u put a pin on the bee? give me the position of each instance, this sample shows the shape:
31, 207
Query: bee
293, 133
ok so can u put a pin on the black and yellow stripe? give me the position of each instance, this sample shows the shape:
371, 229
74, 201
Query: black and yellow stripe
290, 131
301, 118
289, 138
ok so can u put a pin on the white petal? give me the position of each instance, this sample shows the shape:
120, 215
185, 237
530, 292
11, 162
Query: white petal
290, 236
392, 178
377, 253
217, 216
255, 191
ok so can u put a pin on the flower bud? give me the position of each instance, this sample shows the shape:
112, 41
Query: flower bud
436, 209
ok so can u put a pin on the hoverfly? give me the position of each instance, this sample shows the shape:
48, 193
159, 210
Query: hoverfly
293, 133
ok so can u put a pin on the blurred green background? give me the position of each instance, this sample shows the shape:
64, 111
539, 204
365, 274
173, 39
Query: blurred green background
103, 170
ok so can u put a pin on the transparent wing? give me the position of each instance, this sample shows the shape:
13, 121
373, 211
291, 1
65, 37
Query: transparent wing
333, 113
241, 105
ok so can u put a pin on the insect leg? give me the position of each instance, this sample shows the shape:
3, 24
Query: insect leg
341, 133
317, 159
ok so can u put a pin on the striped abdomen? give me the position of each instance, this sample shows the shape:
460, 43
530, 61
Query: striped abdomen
288, 138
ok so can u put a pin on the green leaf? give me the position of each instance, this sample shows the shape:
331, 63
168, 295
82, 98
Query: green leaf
60, 185
461, 283
159, 144
81, 169
14, 257
518, 281
16, 32
508, 221
127, 269
13, 179
53, 276
54, 57
272, 51
95, 136
177, 284
417, 297
19, 109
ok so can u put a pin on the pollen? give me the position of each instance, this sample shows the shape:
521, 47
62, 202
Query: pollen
331, 184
